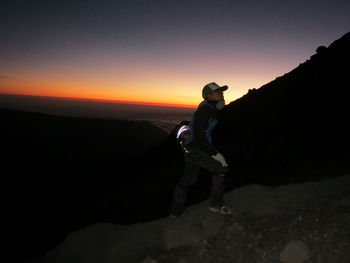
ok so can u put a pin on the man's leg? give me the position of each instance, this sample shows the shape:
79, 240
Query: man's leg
180, 193
179, 200
217, 204
217, 190
218, 181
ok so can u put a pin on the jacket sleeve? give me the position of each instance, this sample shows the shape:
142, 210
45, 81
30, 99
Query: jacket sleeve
201, 123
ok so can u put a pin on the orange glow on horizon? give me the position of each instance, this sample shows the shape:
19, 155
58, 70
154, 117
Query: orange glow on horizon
161, 90
90, 91
162, 104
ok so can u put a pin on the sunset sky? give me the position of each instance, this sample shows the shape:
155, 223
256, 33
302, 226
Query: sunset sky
159, 51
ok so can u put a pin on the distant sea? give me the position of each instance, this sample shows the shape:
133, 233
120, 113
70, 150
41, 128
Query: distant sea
164, 117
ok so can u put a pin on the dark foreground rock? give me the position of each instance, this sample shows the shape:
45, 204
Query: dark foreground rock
307, 222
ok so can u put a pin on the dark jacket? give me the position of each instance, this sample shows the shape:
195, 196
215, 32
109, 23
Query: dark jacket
204, 120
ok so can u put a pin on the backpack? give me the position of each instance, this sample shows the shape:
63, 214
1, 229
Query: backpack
182, 136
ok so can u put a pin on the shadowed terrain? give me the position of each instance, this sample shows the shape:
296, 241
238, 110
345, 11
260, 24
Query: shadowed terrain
55, 168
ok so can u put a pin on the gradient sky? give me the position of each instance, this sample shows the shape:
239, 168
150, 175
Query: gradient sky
159, 51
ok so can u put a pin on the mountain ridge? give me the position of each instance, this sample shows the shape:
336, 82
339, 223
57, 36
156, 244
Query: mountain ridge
303, 110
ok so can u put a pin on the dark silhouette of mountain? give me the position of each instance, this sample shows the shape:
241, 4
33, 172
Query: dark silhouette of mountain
47, 146
293, 129
54, 169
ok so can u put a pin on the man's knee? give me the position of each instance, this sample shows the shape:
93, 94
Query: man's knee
188, 180
218, 168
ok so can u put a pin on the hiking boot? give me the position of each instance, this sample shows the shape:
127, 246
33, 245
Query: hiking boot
177, 213
177, 210
223, 209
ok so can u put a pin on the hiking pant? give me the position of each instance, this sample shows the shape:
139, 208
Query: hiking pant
196, 159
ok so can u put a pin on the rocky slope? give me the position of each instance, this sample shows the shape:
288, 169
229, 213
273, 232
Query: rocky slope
293, 223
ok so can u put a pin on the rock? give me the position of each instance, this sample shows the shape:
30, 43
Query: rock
321, 49
149, 260
295, 252
345, 201
192, 228
235, 229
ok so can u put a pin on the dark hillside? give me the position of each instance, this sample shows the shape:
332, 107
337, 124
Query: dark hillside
76, 148
55, 169
296, 123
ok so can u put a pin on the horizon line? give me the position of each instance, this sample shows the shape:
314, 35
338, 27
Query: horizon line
160, 104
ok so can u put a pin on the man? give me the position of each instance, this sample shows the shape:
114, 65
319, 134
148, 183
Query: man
200, 153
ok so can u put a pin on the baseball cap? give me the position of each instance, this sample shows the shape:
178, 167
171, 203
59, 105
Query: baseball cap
211, 87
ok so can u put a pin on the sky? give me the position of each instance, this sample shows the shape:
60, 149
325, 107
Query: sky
162, 52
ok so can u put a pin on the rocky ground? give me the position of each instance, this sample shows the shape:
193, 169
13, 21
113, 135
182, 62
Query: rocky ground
296, 223
309, 234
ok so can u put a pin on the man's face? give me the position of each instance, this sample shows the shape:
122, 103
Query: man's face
216, 95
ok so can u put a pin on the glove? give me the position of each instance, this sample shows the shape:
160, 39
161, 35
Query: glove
219, 157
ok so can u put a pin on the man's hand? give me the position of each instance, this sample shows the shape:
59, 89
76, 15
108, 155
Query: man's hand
219, 157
